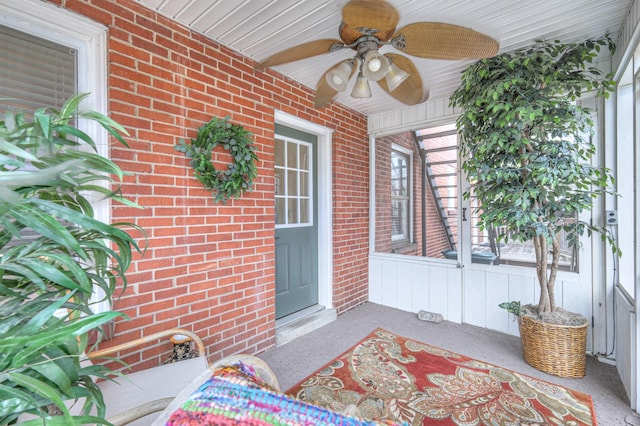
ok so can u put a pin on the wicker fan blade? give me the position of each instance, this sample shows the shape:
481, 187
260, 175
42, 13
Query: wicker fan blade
437, 40
410, 91
301, 51
324, 92
361, 15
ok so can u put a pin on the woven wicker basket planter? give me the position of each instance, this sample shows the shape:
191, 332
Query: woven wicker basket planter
555, 349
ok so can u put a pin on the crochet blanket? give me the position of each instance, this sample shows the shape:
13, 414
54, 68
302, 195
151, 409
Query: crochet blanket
235, 395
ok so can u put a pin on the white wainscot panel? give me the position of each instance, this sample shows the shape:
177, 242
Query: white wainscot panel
375, 282
404, 288
420, 287
523, 289
454, 297
576, 296
475, 303
497, 286
390, 286
470, 295
413, 284
438, 294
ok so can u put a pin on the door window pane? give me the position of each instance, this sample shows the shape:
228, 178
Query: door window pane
281, 211
280, 152
279, 181
292, 155
304, 183
293, 183
304, 157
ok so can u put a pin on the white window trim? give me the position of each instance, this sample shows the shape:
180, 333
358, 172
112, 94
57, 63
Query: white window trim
310, 197
408, 153
89, 39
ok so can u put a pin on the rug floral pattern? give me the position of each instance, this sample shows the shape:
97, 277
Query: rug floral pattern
391, 378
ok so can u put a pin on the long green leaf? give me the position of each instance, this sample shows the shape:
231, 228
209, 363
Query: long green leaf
46, 224
72, 104
40, 319
43, 389
12, 401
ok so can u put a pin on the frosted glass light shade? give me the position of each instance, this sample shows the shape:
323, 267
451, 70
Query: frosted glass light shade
375, 65
361, 89
395, 76
338, 78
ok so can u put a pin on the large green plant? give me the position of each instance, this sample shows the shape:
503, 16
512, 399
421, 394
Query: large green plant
54, 255
526, 146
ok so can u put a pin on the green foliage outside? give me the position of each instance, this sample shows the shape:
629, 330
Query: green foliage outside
54, 254
527, 149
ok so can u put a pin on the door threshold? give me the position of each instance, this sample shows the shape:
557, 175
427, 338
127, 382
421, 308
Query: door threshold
302, 322
281, 322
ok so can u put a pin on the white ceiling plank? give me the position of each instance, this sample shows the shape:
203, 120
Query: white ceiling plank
259, 28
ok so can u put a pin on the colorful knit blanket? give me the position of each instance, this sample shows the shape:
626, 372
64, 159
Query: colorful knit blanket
235, 395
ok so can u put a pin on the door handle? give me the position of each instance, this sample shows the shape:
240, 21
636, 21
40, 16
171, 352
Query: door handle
464, 214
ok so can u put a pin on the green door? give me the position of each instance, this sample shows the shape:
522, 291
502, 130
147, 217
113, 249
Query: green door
296, 224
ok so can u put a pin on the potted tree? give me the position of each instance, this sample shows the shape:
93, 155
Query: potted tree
526, 148
55, 256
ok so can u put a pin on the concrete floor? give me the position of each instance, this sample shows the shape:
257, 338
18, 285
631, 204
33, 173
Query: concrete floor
301, 357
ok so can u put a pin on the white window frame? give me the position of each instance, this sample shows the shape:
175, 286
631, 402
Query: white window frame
309, 197
397, 239
89, 39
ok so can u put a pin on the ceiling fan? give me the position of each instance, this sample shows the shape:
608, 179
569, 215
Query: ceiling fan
368, 25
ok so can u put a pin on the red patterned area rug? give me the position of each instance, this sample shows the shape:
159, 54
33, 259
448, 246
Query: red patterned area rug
392, 378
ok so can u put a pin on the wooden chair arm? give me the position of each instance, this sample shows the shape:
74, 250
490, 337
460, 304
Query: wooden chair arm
140, 411
147, 339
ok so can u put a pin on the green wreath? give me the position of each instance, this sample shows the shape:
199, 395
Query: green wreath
239, 175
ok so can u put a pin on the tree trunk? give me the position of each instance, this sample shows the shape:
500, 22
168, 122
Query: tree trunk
555, 262
541, 247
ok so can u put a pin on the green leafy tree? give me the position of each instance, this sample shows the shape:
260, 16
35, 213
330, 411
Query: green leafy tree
526, 146
54, 255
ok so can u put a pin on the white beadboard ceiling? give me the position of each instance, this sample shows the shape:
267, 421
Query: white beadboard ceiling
259, 28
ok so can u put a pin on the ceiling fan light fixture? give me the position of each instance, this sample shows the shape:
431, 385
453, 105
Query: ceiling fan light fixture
375, 65
361, 90
395, 76
338, 78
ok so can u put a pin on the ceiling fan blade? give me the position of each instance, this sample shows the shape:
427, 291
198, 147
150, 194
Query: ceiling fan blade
301, 51
324, 92
411, 90
436, 40
360, 15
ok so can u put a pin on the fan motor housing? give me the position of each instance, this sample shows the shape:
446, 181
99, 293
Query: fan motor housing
350, 35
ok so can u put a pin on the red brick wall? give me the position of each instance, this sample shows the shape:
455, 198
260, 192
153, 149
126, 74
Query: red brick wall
208, 267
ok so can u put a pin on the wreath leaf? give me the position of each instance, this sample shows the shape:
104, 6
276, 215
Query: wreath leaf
239, 176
